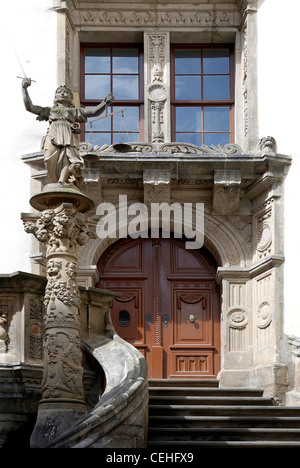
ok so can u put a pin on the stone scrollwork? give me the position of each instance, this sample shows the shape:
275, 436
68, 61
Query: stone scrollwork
63, 376
164, 148
36, 328
152, 18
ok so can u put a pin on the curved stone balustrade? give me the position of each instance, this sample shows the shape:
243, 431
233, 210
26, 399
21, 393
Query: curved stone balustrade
123, 403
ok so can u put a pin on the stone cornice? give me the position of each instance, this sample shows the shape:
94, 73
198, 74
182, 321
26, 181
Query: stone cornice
153, 14
173, 15
253, 166
249, 272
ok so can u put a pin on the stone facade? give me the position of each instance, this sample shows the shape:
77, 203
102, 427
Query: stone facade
241, 186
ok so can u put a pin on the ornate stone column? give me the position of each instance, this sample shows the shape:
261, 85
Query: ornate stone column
63, 227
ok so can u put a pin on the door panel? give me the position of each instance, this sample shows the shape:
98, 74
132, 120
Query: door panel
191, 317
169, 306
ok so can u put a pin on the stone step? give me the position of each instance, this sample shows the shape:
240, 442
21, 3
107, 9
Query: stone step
223, 434
183, 383
204, 391
225, 410
223, 421
209, 400
201, 414
225, 444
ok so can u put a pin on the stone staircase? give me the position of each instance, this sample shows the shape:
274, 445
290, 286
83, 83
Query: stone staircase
199, 413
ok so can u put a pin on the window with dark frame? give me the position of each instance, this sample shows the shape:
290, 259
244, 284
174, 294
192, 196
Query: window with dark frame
202, 94
116, 69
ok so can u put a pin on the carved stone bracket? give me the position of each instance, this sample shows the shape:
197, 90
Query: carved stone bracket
226, 192
157, 186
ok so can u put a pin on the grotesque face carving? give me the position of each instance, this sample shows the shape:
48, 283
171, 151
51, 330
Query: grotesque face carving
267, 144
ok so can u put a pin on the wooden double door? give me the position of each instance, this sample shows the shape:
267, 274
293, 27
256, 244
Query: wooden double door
169, 305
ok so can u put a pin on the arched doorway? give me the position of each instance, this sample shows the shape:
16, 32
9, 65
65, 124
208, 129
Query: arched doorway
169, 304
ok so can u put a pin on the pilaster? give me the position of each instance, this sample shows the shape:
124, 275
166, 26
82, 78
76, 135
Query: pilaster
157, 87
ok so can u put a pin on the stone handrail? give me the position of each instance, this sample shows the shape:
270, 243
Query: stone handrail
125, 398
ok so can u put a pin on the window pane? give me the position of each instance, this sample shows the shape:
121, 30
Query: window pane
216, 87
99, 139
125, 61
188, 62
125, 137
216, 119
215, 61
188, 119
101, 125
97, 86
129, 121
188, 87
125, 87
97, 61
194, 138
216, 139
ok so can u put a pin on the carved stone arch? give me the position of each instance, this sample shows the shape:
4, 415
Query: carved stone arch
225, 243
222, 239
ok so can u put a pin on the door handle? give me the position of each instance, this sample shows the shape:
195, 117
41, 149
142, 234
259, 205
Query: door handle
149, 319
192, 318
165, 319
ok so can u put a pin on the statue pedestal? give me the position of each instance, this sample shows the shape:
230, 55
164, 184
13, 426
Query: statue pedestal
54, 195
63, 227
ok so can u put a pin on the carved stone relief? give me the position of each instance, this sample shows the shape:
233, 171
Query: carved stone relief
3, 332
35, 327
157, 87
64, 230
237, 324
263, 226
157, 187
245, 80
152, 18
263, 285
237, 317
244, 226
7, 307
164, 148
226, 193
